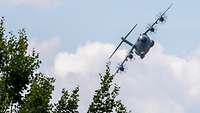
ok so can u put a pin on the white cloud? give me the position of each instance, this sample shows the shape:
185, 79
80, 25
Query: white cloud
45, 47
92, 54
161, 83
47, 50
35, 3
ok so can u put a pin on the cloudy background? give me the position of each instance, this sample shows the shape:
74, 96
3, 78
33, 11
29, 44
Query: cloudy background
76, 37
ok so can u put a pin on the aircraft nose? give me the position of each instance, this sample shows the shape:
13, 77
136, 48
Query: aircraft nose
144, 39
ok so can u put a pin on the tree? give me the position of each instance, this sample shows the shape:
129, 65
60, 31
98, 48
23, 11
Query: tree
68, 103
25, 90
16, 66
104, 100
37, 101
4, 99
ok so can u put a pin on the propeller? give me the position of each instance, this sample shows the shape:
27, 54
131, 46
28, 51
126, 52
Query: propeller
162, 18
131, 55
151, 28
120, 68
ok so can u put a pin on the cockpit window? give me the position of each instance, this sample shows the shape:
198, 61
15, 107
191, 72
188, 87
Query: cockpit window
143, 39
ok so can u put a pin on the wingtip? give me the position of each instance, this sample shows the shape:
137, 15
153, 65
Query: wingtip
170, 5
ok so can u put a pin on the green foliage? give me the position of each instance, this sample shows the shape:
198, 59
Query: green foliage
24, 91
4, 99
37, 101
2, 44
120, 108
68, 103
17, 68
104, 100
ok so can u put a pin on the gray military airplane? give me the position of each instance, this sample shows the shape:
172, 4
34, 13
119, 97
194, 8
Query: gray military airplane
143, 43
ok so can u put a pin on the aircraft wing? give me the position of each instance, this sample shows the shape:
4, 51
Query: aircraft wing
122, 64
157, 20
125, 59
122, 41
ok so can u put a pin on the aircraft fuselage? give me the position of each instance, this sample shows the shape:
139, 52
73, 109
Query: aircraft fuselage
143, 45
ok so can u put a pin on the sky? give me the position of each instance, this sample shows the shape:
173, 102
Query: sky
72, 36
